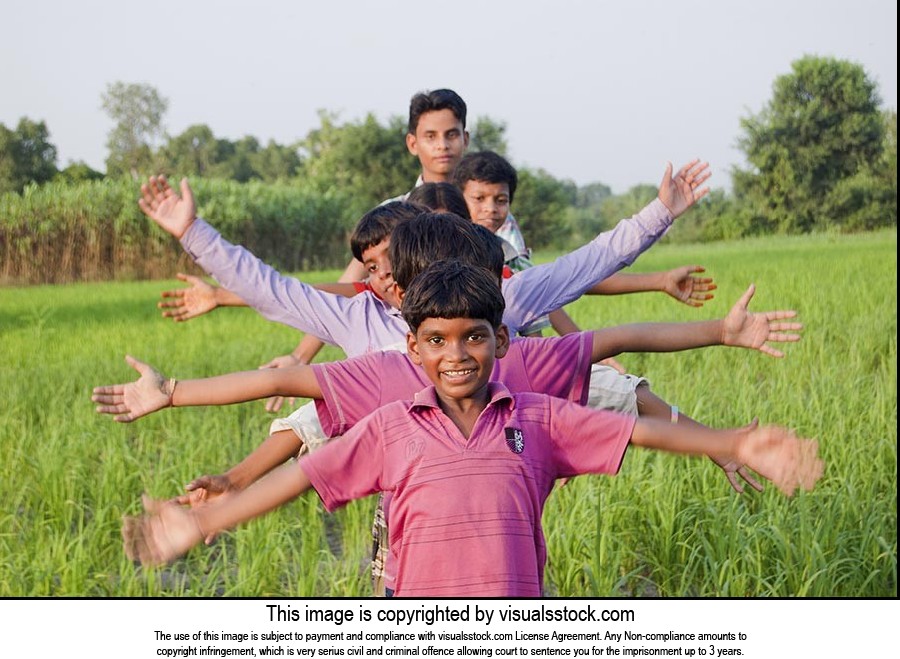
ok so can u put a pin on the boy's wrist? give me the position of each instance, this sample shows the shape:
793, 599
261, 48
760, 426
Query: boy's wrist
169, 390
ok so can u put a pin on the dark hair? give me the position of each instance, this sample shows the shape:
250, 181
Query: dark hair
450, 289
379, 223
485, 166
440, 195
432, 237
439, 99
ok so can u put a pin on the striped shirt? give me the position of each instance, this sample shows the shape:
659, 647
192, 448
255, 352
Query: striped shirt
466, 513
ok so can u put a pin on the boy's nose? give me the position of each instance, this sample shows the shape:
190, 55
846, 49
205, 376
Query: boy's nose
456, 352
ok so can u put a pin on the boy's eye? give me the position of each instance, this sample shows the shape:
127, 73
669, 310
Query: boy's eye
436, 340
476, 338
372, 267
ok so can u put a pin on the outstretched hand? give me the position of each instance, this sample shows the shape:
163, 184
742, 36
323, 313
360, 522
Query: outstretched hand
684, 287
149, 393
162, 204
203, 491
186, 303
683, 190
744, 329
779, 455
733, 468
164, 533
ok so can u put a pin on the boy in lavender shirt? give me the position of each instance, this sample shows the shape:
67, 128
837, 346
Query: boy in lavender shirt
337, 320
466, 435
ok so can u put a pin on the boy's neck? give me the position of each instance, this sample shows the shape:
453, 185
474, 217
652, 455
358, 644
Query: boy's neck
431, 177
464, 412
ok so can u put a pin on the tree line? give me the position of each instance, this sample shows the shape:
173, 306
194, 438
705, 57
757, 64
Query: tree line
822, 155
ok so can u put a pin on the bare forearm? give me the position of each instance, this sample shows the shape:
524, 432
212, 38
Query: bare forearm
268, 493
562, 322
627, 282
307, 349
275, 450
355, 271
246, 386
692, 439
225, 298
655, 337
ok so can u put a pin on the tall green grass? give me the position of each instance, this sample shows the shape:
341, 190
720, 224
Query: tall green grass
666, 525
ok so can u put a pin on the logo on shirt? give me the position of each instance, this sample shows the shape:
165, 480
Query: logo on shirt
515, 440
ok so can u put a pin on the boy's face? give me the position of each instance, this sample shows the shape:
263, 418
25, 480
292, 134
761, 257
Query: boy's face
457, 354
488, 203
438, 143
378, 267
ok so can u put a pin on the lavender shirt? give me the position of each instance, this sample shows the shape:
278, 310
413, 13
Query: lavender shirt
364, 323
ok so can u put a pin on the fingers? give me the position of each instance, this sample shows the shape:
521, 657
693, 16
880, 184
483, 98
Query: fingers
667, 175
137, 364
186, 192
685, 170
153, 192
733, 481
772, 352
811, 466
179, 293
111, 408
104, 394
781, 315
783, 338
751, 481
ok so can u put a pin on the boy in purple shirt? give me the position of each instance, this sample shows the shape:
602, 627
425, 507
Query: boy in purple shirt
469, 464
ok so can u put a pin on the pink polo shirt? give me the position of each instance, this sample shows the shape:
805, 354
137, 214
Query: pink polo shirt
466, 513
354, 388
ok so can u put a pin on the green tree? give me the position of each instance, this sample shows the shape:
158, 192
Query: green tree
276, 162
541, 207
78, 172
822, 126
137, 111
195, 152
363, 158
26, 155
488, 134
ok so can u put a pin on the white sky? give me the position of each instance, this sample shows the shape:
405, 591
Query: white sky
590, 90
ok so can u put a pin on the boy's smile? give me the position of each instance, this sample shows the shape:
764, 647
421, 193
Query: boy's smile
439, 142
458, 354
488, 203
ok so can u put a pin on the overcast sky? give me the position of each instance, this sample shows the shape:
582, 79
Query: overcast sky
591, 91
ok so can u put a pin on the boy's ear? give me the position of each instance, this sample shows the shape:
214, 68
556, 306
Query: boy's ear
465, 140
502, 335
412, 348
412, 145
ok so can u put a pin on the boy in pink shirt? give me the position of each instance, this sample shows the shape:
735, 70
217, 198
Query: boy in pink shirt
469, 464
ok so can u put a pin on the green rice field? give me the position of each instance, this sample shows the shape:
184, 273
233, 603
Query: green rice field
666, 526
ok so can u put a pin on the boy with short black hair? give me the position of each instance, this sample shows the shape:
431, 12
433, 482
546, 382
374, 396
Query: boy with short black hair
467, 496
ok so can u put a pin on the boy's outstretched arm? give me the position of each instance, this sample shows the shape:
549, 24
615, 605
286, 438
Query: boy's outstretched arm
537, 291
680, 283
168, 530
152, 391
774, 452
740, 329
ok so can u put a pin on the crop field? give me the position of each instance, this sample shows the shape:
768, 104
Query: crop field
666, 526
